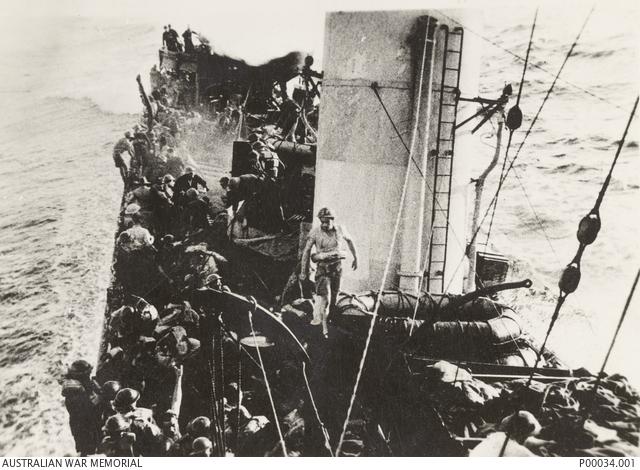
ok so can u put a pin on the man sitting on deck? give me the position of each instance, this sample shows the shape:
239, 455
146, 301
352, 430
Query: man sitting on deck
327, 239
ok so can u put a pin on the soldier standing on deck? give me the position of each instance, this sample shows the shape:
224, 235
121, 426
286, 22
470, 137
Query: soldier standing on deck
81, 397
188, 41
327, 239
123, 146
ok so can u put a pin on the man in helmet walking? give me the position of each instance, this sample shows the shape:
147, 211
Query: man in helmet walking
328, 239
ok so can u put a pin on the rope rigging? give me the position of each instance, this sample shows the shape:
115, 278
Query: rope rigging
594, 391
513, 122
588, 229
534, 65
375, 87
548, 94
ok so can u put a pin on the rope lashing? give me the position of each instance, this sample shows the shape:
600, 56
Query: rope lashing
252, 309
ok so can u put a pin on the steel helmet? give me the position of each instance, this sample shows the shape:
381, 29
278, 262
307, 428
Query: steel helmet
192, 193
259, 145
520, 424
126, 397
80, 367
110, 389
166, 179
213, 280
189, 170
325, 213
200, 426
116, 423
253, 138
202, 444
132, 208
128, 134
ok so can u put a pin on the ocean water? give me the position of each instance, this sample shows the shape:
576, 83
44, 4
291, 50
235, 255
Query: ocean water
68, 91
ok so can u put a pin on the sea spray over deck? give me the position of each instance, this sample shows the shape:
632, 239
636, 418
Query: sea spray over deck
64, 84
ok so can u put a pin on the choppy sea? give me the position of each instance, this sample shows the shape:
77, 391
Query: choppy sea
68, 91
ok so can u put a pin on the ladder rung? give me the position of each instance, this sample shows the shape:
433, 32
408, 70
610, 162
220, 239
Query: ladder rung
448, 104
453, 50
439, 244
442, 192
446, 174
452, 68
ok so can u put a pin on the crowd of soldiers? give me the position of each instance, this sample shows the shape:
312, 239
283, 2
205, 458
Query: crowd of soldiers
164, 228
152, 336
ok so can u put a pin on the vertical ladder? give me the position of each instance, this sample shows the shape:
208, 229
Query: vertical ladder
443, 153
